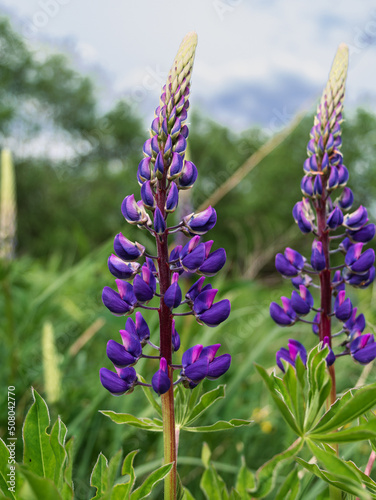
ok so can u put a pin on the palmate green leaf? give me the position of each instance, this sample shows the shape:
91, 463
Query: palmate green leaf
340, 482
148, 485
38, 453
206, 400
221, 425
290, 487
42, 487
361, 401
147, 424
282, 402
358, 433
4, 470
266, 475
99, 476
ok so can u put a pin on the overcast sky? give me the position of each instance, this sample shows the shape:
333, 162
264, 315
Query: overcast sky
257, 62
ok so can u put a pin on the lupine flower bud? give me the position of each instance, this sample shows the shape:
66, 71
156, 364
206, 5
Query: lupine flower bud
335, 218
168, 147
303, 216
180, 144
188, 175
355, 323
316, 322
363, 349
332, 182
121, 355
302, 302
285, 315
175, 338
342, 306
346, 199
337, 282
159, 166
303, 279
325, 163
172, 297
359, 280
343, 176
118, 383
159, 222
295, 348
307, 186
317, 256
331, 356
140, 328
290, 264
172, 198
144, 286
143, 171
147, 195
119, 303
121, 269
202, 222
357, 262
357, 219
127, 250
160, 381
176, 167
133, 212
317, 186
195, 290
363, 235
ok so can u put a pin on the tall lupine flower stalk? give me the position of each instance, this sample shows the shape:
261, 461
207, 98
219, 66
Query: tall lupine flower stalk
162, 174
324, 213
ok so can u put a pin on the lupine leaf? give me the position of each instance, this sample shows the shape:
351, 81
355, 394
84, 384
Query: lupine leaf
69, 463
42, 487
212, 484
244, 481
295, 389
150, 396
113, 467
221, 425
343, 483
370, 483
205, 455
148, 424
333, 463
265, 476
119, 492
290, 487
283, 407
206, 400
363, 400
38, 452
187, 495
57, 440
358, 433
4, 470
154, 478
127, 469
99, 476
234, 495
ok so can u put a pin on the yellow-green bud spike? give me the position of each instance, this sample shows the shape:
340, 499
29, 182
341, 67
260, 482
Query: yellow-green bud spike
331, 103
7, 206
181, 70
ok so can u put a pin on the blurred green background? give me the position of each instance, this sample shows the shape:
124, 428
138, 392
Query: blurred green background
54, 328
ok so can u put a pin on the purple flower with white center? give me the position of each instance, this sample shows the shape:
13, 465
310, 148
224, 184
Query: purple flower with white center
121, 382
289, 355
160, 381
285, 315
363, 348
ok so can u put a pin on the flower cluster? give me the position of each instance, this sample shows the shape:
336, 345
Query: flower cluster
325, 212
162, 174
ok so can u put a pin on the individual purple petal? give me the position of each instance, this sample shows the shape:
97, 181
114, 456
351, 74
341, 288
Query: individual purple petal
332, 182
290, 264
331, 356
219, 366
346, 199
283, 316
317, 186
126, 291
335, 218
180, 144
210, 351
318, 262
363, 235
143, 171
114, 384
363, 349
172, 198
295, 349
160, 381
201, 222
197, 371
302, 303
283, 354
176, 167
119, 356
159, 222
188, 175
343, 175
218, 313
121, 269
195, 289
147, 195
357, 219
172, 296
131, 343
307, 185
213, 263
365, 261
342, 306
159, 165
127, 250
191, 355
168, 147
114, 302
142, 328
132, 211
204, 300
192, 261
142, 290
130, 325
175, 338
153, 270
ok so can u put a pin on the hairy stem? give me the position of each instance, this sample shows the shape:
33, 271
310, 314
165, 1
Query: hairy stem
165, 322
